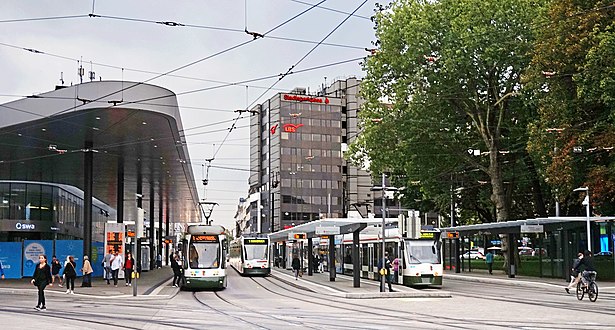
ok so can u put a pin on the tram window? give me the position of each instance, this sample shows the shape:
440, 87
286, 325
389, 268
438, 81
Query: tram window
204, 255
348, 254
365, 255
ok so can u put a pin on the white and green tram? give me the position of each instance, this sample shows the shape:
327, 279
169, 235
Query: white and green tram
204, 251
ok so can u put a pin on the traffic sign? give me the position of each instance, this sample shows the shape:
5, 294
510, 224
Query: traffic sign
532, 229
327, 231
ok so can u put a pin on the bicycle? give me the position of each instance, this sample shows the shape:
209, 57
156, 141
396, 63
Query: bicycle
588, 285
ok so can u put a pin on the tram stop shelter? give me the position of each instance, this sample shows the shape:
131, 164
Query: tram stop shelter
554, 243
329, 228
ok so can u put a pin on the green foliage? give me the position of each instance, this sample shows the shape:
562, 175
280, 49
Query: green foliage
446, 80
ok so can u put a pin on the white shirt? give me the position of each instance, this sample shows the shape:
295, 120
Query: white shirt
117, 262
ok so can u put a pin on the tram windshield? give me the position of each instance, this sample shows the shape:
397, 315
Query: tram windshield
423, 251
204, 255
252, 251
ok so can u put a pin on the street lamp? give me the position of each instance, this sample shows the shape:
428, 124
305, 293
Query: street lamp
384, 188
586, 203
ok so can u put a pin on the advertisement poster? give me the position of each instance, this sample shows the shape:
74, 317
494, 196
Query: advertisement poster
97, 258
65, 248
31, 251
10, 257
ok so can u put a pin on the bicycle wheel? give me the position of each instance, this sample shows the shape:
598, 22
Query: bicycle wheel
592, 292
580, 291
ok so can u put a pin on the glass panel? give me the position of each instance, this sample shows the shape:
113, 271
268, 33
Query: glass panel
4, 200
255, 251
33, 202
17, 201
204, 255
423, 251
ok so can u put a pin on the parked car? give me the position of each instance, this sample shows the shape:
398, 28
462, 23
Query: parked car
526, 251
473, 255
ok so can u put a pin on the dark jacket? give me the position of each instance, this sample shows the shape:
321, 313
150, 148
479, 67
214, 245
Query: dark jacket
387, 265
42, 275
587, 263
296, 263
69, 270
55, 267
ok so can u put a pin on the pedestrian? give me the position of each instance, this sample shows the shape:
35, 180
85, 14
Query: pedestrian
321, 263
87, 272
117, 262
1, 271
489, 261
70, 274
176, 270
296, 265
55, 271
395, 270
159, 261
107, 266
41, 278
128, 266
384, 266
575, 275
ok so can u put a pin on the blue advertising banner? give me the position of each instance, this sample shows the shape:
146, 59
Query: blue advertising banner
31, 251
97, 258
10, 257
65, 248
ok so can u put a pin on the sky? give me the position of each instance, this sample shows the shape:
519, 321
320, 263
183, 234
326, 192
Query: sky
210, 53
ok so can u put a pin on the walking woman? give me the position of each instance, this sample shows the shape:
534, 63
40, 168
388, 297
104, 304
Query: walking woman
70, 274
87, 272
128, 266
41, 278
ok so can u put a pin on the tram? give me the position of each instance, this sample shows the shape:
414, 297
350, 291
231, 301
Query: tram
419, 259
204, 250
250, 255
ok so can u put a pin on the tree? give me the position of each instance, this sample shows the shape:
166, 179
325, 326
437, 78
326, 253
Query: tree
442, 93
573, 87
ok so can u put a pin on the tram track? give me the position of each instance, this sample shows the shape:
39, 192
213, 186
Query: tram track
455, 323
220, 311
527, 298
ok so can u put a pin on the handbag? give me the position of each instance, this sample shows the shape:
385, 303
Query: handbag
383, 271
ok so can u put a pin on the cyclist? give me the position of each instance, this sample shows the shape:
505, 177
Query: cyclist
575, 277
587, 264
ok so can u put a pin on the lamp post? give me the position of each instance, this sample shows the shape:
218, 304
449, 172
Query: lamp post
384, 188
586, 203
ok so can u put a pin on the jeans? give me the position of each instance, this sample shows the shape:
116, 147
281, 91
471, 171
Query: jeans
70, 283
41, 294
128, 275
107, 274
115, 273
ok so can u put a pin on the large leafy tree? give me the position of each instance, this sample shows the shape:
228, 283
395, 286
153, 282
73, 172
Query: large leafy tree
443, 105
572, 76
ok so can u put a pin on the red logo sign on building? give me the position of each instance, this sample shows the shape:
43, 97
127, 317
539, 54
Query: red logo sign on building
302, 98
273, 128
291, 128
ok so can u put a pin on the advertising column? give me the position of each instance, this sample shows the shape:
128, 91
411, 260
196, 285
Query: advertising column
114, 241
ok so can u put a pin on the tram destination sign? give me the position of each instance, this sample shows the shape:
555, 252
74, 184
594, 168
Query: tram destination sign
327, 231
532, 229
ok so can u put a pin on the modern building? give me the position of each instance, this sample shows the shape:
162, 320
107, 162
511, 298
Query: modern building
44, 211
298, 170
103, 148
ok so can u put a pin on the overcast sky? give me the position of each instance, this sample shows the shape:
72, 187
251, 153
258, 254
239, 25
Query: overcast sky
126, 36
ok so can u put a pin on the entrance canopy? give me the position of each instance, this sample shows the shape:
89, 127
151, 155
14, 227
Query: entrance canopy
514, 227
346, 226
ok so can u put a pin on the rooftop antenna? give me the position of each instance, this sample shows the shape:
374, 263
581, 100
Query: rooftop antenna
80, 71
91, 73
62, 78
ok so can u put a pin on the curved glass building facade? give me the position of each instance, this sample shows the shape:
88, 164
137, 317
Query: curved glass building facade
39, 210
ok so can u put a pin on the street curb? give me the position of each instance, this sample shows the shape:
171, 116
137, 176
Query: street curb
513, 282
378, 295
292, 284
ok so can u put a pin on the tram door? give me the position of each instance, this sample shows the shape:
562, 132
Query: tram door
370, 261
